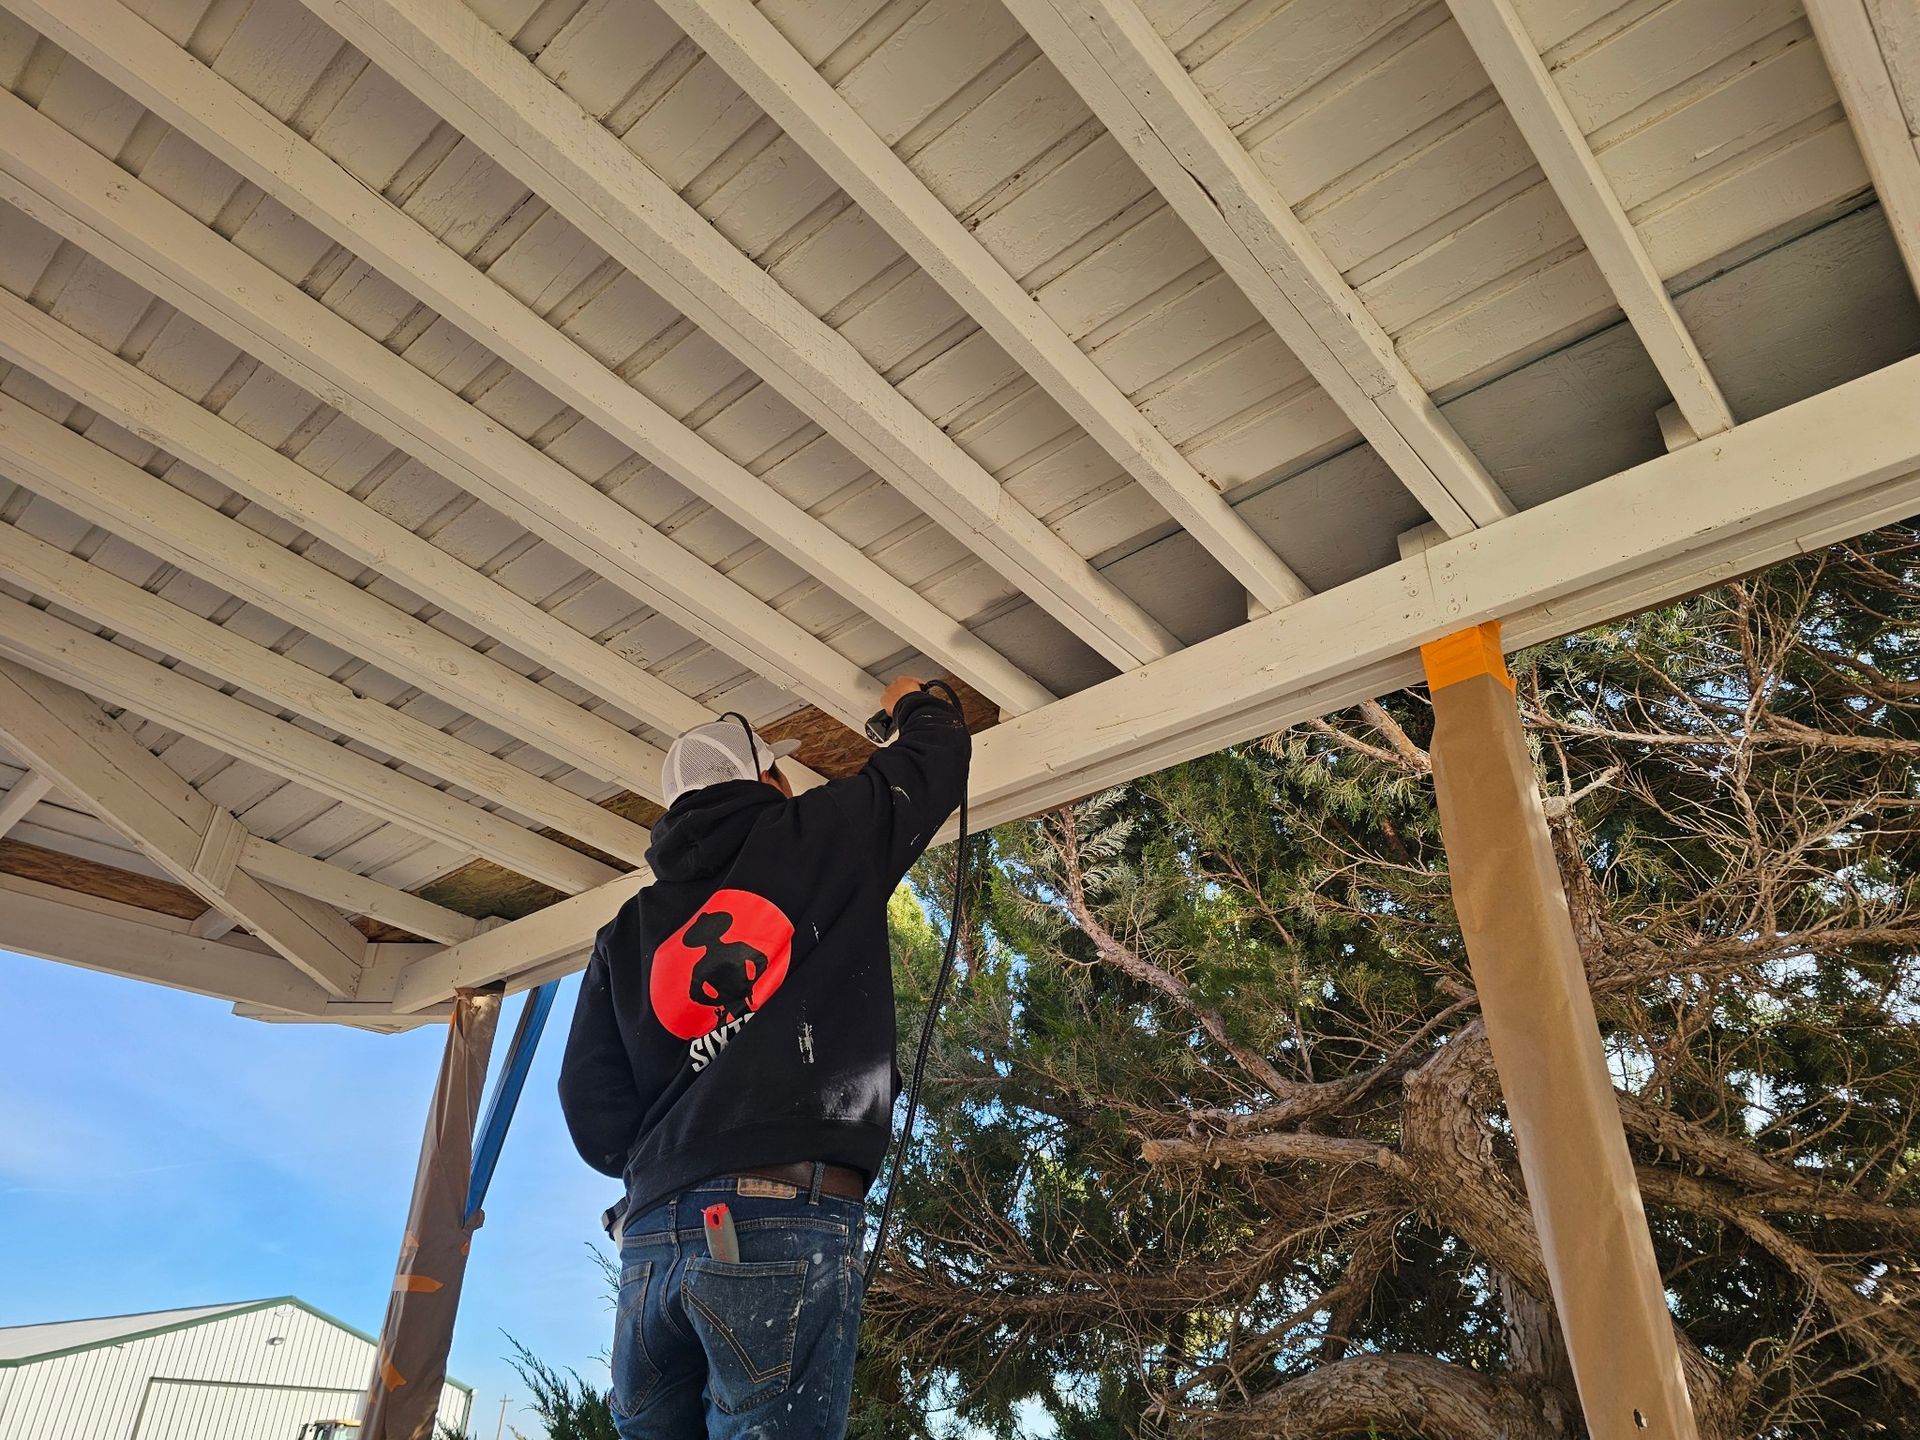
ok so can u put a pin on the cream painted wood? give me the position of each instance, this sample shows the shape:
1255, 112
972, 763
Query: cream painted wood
745, 44
70, 738
1500, 39
1860, 72
96, 484
131, 611
375, 1015
516, 948
1832, 466
212, 925
121, 677
74, 190
95, 934
448, 57
354, 894
68, 362
216, 115
130, 398
1110, 53
25, 793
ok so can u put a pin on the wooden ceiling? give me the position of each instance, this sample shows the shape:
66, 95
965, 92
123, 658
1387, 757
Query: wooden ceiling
413, 414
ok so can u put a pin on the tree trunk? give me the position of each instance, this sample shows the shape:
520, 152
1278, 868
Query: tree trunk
1537, 1351
1398, 1396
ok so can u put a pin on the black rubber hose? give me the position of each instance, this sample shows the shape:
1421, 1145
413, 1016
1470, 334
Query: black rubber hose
955, 920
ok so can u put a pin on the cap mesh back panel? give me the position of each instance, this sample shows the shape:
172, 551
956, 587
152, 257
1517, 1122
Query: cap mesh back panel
707, 755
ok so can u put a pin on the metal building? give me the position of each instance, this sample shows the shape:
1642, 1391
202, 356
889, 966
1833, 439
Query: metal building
250, 1370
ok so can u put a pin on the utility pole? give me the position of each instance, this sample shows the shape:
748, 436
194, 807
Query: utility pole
498, 1429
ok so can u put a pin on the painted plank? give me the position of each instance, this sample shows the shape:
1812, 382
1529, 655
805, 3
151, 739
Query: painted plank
465, 72
1860, 72
1129, 78
216, 115
26, 792
784, 85
355, 894
1829, 467
70, 738
1540, 110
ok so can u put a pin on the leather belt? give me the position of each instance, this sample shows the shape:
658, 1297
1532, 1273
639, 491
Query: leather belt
836, 1180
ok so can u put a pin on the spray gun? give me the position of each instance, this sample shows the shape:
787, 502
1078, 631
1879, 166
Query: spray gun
880, 724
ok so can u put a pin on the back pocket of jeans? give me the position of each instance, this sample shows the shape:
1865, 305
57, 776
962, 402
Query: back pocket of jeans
746, 1316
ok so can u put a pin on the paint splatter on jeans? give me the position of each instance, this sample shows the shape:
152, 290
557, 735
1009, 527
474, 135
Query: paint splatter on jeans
759, 1350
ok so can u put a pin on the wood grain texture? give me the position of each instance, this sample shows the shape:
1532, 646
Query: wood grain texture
90, 877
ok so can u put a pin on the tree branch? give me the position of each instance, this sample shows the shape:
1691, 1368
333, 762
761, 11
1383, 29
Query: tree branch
1395, 1394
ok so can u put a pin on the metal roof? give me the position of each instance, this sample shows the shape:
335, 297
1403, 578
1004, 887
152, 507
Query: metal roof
414, 414
24, 1344
20, 1343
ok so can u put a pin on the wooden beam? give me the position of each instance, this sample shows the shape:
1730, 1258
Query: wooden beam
132, 611
70, 738
1857, 61
355, 1014
124, 394
510, 950
1833, 466
449, 58
1532, 988
101, 487
355, 894
212, 925
25, 793
119, 676
201, 104
744, 43
1494, 29
104, 935
84, 197
1109, 52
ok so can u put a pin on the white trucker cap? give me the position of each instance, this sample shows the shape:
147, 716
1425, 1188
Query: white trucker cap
716, 751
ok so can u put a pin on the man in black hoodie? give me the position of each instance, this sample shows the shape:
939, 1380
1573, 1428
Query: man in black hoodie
734, 1045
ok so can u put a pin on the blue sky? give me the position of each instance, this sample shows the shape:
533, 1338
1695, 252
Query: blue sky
157, 1151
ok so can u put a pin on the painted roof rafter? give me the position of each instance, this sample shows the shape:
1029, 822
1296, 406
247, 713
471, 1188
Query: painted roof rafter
1129, 77
456, 65
1158, 244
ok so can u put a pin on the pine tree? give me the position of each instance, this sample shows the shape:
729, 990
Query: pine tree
1213, 1141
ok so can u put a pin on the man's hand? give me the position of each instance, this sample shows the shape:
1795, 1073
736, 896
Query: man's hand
896, 692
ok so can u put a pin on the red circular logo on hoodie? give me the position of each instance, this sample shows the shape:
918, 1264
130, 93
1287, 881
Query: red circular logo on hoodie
722, 965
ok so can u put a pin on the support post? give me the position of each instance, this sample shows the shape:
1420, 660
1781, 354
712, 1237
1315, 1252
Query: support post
1546, 1043
403, 1401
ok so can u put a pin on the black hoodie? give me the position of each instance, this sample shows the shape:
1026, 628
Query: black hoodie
738, 1012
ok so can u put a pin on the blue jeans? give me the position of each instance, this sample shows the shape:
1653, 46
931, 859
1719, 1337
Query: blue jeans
761, 1350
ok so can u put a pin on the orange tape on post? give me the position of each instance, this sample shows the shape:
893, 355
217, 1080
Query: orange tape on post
1464, 654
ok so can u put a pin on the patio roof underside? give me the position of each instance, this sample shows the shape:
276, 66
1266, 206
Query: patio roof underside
412, 416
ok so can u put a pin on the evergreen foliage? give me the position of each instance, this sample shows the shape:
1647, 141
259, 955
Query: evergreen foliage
1212, 1141
568, 1407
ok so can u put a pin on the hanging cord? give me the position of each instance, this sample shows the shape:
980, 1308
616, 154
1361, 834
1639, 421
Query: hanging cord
956, 918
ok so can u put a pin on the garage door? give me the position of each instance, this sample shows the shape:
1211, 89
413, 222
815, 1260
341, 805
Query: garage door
230, 1410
